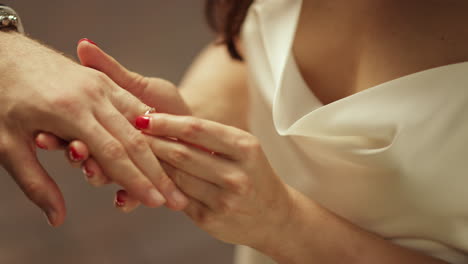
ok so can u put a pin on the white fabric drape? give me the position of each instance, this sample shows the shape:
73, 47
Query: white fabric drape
392, 159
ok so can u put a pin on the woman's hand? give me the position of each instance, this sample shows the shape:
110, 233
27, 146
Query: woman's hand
234, 193
236, 197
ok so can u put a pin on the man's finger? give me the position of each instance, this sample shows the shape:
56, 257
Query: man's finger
142, 156
28, 173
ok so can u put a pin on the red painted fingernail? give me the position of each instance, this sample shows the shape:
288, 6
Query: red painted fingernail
87, 40
74, 155
40, 145
89, 173
120, 198
142, 122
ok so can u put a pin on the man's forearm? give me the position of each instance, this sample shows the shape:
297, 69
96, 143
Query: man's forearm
9, 40
21, 55
215, 88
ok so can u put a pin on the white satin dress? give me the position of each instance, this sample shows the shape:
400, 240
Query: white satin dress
392, 159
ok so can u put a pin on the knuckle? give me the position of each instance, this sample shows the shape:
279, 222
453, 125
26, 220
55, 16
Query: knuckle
101, 78
179, 155
94, 88
66, 103
179, 179
192, 129
123, 97
33, 189
164, 84
248, 144
91, 88
236, 181
137, 80
204, 218
164, 182
137, 142
225, 205
91, 128
113, 150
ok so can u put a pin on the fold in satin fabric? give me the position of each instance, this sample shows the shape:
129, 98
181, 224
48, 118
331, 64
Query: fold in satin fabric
390, 159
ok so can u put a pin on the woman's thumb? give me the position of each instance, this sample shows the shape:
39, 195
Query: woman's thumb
92, 56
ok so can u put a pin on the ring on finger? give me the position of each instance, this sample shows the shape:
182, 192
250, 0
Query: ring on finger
150, 111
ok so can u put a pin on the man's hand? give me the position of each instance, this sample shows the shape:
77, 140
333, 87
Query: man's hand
41, 90
155, 92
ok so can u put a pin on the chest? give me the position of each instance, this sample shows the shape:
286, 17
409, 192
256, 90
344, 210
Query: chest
344, 48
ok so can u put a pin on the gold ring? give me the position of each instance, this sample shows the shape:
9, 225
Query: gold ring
150, 111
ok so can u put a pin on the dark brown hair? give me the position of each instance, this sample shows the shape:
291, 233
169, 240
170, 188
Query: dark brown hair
225, 17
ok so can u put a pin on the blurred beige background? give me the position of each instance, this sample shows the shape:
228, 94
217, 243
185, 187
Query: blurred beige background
157, 38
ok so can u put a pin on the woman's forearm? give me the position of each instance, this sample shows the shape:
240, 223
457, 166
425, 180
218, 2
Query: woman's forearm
215, 87
315, 235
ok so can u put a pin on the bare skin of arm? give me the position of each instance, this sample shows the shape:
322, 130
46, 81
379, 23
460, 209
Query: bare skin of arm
215, 87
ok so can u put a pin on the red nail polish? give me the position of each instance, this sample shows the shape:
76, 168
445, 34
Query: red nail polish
142, 122
89, 173
87, 40
120, 198
40, 145
74, 155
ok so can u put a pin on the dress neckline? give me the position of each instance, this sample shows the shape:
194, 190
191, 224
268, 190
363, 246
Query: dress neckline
293, 100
